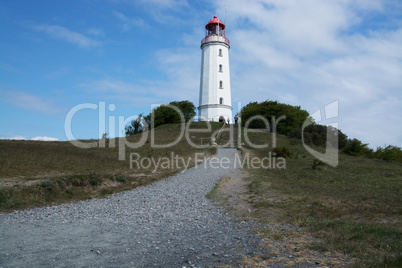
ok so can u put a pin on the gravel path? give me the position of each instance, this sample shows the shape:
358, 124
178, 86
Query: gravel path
169, 223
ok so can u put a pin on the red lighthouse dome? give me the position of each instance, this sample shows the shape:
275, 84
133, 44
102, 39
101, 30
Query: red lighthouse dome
215, 32
215, 22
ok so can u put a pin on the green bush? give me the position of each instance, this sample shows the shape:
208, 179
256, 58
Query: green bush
317, 135
6, 199
389, 153
95, 181
356, 147
49, 185
121, 179
317, 163
283, 152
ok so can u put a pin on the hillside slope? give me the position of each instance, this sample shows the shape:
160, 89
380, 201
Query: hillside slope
353, 209
36, 173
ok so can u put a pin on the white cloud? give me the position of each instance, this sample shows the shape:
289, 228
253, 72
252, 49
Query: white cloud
44, 138
165, 11
128, 23
18, 137
57, 74
163, 4
95, 32
67, 35
181, 82
29, 101
126, 92
183, 75
38, 138
9, 68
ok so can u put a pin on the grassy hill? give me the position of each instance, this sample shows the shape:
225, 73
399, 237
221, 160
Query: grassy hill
350, 214
354, 209
37, 173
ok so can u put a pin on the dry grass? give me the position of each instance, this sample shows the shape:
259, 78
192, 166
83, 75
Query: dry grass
353, 210
26, 165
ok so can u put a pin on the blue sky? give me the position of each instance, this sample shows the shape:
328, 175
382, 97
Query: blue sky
59, 54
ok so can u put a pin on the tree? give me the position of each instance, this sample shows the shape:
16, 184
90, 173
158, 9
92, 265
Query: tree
135, 126
317, 135
168, 115
186, 107
295, 116
314, 134
164, 115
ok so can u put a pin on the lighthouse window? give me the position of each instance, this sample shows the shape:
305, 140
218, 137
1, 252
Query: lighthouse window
221, 101
220, 52
220, 67
221, 84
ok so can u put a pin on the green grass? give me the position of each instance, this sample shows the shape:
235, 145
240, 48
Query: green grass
356, 207
120, 179
35, 173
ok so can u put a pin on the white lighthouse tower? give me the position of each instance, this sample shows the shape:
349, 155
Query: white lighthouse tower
215, 95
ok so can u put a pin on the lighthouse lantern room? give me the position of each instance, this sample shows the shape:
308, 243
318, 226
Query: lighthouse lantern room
215, 96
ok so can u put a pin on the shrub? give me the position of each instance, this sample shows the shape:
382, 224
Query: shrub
283, 151
356, 147
49, 185
389, 153
317, 135
317, 163
6, 200
95, 181
121, 179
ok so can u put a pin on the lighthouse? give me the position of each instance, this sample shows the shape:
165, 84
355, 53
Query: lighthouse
215, 96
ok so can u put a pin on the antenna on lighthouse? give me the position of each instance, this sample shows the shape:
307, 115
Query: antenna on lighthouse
217, 30
226, 12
